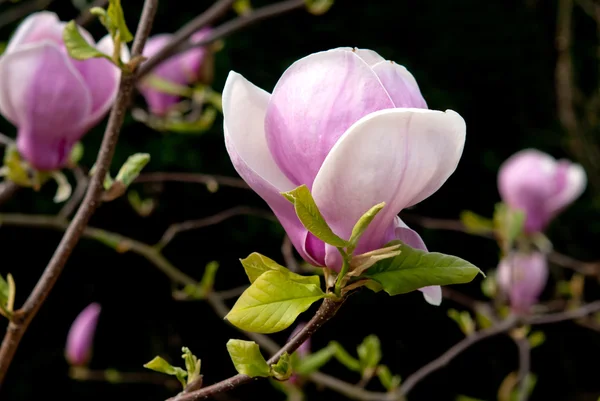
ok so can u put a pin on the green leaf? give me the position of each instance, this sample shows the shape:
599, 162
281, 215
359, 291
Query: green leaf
247, 358
313, 362
387, 380
414, 269
369, 352
508, 224
362, 224
256, 264
4, 291
272, 303
77, 47
318, 7
117, 20
282, 370
160, 365
76, 153
344, 357
464, 321
536, 339
311, 217
242, 7
168, 87
132, 167
63, 191
208, 279
192, 364
475, 223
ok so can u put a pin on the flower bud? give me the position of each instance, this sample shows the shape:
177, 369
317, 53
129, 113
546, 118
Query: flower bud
182, 69
81, 336
51, 98
540, 186
522, 278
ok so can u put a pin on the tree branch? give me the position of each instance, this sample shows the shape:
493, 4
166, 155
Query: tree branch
524, 367
220, 32
208, 180
7, 190
23, 317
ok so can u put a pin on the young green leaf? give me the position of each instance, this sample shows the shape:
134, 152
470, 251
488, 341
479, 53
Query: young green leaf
318, 7
475, 223
344, 357
247, 358
369, 352
192, 364
414, 269
311, 217
464, 320
4, 291
132, 167
117, 19
76, 153
208, 278
508, 224
272, 303
63, 191
313, 362
282, 370
77, 47
387, 380
256, 264
362, 224
158, 364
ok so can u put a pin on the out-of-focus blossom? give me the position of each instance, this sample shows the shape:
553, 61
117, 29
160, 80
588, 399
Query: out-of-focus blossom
539, 185
81, 336
302, 350
51, 98
182, 69
356, 130
522, 277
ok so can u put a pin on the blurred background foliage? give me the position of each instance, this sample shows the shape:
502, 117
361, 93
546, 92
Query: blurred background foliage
492, 61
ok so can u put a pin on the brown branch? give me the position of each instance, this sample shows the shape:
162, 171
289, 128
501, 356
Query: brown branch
216, 11
208, 180
113, 376
325, 312
524, 367
23, 317
7, 190
221, 31
177, 228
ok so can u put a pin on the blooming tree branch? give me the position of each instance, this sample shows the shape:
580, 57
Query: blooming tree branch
23, 317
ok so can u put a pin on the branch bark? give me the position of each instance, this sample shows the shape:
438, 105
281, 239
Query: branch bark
23, 317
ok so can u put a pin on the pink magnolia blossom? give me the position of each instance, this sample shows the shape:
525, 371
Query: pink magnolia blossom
181, 69
81, 336
355, 129
522, 277
539, 185
51, 98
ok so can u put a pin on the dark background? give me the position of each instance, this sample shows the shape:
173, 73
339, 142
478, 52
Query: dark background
492, 61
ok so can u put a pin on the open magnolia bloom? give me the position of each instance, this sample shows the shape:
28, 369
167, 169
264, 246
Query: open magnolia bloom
354, 128
53, 99
539, 185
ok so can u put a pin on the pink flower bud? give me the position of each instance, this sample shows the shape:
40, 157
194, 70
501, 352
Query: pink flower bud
540, 186
522, 277
356, 130
51, 98
182, 69
81, 336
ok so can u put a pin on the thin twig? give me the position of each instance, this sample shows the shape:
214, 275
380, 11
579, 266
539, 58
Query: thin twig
23, 317
287, 250
19, 11
177, 228
81, 185
113, 376
7, 190
222, 31
325, 312
216, 11
208, 180
86, 16
524, 367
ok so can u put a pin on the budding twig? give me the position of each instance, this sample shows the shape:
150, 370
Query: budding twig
23, 317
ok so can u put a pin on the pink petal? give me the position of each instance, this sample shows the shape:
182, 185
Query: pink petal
315, 101
37, 27
400, 85
81, 336
244, 108
523, 278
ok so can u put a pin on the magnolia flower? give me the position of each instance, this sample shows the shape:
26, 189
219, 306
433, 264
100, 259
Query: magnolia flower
540, 186
302, 351
81, 336
182, 69
51, 98
522, 277
355, 129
